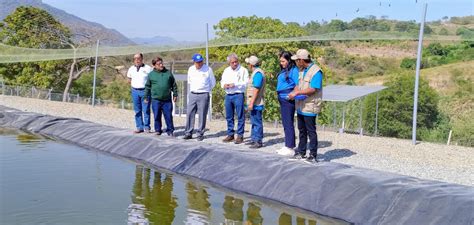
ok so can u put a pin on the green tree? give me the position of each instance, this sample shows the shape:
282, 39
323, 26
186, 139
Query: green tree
336, 26
31, 27
396, 108
443, 31
360, 24
408, 63
313, 27
406, 26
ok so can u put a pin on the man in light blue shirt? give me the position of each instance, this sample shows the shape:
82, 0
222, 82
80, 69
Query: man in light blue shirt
255, 101
308, 96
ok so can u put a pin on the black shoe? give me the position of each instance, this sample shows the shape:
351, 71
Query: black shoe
200, 138
312, 158
298, 156
159, 133
171, 134
250, 143
256, 145
187, 137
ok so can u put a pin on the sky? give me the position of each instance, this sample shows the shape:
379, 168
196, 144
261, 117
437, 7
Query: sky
185, 20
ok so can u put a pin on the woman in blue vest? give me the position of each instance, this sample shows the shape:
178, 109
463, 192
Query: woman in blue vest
287, 81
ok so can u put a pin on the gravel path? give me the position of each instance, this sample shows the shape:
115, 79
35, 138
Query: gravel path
453, 164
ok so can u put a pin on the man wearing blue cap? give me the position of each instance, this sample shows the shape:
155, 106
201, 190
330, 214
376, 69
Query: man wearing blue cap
201, 80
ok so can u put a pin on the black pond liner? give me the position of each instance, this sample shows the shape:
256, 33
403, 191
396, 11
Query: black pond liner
352, 194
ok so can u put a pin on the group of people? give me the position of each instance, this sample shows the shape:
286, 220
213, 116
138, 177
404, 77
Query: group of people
299, 89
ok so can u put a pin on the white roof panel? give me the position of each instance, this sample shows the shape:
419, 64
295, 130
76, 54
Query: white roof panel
345, 93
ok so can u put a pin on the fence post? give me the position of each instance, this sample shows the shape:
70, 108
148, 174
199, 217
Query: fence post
49, 94
3, 88
32, 92
449, 137
123, 104
77, 98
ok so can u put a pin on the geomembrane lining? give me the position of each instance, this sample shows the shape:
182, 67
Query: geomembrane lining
356, 195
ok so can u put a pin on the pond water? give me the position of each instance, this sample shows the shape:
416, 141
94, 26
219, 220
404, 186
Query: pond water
43, 181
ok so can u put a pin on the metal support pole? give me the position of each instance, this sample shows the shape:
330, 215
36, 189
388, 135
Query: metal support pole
95, 73
334, 115
376, 113
360, 116
207, 63
418, 65
343, 119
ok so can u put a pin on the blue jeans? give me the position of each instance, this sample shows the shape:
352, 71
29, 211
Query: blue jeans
234, 103
256, 134
163, 108
141, 108
287, 111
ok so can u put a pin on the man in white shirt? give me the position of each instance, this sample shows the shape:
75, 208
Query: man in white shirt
201, 80
137, 77
234, 82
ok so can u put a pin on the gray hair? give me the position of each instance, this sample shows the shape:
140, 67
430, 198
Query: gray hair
232, 56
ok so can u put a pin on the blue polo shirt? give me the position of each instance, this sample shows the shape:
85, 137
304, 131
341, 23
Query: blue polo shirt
257, 83
285, 83
316, 83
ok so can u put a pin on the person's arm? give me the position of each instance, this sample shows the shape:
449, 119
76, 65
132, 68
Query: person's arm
223, 80
315, 84
257, 84
174, 88
241, 84
212, 78
129, 76
147, 89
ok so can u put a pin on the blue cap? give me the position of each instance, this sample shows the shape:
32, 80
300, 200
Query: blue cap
197, 57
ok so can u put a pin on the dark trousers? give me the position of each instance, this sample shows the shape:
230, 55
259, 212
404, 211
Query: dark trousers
163, 108
287, 111
234, 104
307, 128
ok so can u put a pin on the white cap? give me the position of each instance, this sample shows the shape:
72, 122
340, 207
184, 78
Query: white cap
301, 54
253, 60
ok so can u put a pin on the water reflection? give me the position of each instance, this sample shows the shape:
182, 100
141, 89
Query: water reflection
24, 139
253, 214
233, 210
199, 208
156, 197
155, 191
286, 219
139, 194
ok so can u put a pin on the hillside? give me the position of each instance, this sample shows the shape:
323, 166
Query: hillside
78, 26
441, 78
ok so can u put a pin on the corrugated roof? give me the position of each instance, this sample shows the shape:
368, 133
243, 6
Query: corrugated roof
345, 93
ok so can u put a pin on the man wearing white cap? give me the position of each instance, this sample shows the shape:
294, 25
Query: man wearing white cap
308, 95
201, 81
255, 100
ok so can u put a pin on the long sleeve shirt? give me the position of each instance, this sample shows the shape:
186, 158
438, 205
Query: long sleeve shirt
160, 85
201, 80
239, 77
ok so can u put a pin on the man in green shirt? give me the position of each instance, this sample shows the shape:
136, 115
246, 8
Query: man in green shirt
162, 87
